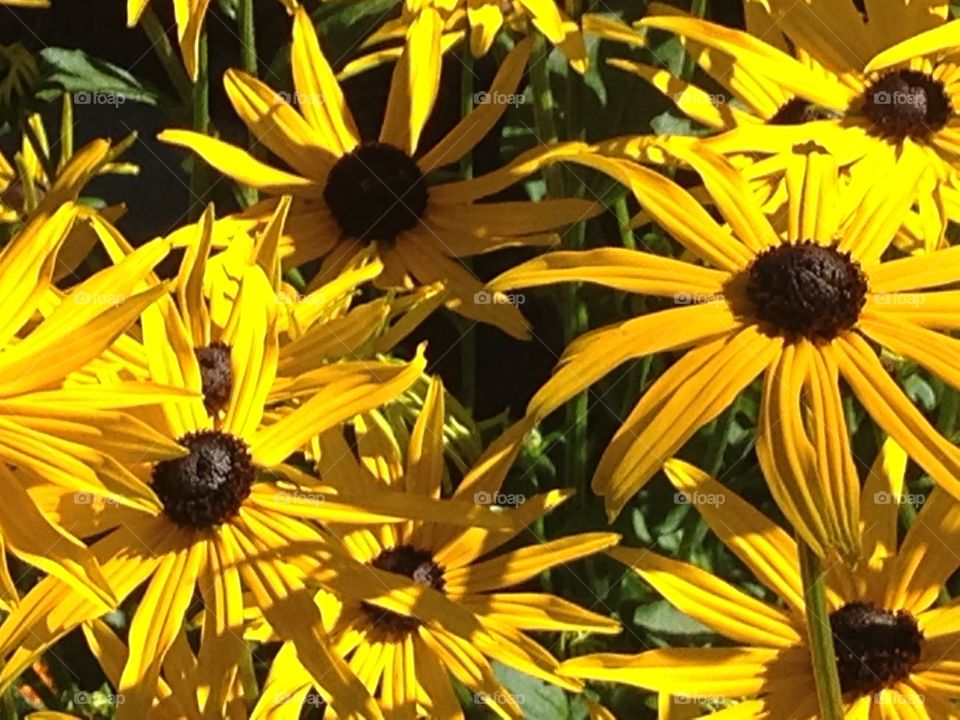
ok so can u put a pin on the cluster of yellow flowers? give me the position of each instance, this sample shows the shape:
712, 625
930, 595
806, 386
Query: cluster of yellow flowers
239, 459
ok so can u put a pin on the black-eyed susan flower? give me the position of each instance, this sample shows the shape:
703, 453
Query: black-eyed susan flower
858, 30
34, 181
799, 307
430, 28
190, 16
870, 110
762, 114
408, 661
46, 428
350, 192
207, 508
895, 650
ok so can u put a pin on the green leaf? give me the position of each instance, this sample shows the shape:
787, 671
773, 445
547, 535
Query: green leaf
91, 80
662, 618
538, 700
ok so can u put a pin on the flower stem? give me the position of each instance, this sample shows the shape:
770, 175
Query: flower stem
573, 312
822, 653
698, 9
468, 343
167, 56
544, 107
199, 173
248, 37
248, 58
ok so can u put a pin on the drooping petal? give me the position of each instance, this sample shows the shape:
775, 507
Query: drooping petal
762, 545
894, 413
240, 165
321, 98
156, 623
277, 125
620, 269
467, 133
713, 602
685, 398
714, 672
595, 354
415, 82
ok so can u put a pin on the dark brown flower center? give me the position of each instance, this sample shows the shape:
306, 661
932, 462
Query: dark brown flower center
875, 648
419, 566
807, 290
208, 486
907, 103
376, 192
216, 374
798, 111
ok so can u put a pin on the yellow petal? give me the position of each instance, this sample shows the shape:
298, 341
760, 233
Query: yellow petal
319, 92
713, 602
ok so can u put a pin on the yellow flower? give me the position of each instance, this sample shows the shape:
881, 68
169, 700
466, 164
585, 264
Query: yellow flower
896, 652
857, 30
350, 193
407, 659
797, 307
189, 16
200, 507
45, 428
35, 181
832, 90
428, 29
18, 73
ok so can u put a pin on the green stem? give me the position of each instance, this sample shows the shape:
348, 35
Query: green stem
698, 9
199, 172
822, 653
544, 107
622, 213
248, 58
468, 343
167, 56
248, 37
574, 313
